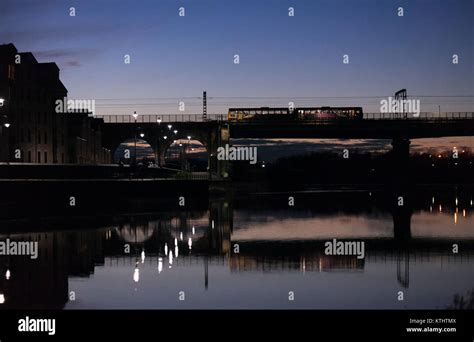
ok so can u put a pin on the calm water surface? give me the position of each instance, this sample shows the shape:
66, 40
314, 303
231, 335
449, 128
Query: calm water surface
150, 260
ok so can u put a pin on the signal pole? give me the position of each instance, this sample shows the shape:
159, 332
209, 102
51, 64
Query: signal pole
204, 106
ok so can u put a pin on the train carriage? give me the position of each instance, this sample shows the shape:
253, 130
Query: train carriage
299, 114
262, 113
329, 113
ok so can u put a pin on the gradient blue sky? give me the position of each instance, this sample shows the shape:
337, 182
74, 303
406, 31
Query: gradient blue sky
174, 58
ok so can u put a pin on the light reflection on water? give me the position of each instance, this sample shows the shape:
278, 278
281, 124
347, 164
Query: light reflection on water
151, 261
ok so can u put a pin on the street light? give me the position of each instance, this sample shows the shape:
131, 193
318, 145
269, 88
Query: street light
2, 101
157, 146
175, 131
165, 137
169, 126
185, 151
6, 124
142, 135
135, 116
5, 121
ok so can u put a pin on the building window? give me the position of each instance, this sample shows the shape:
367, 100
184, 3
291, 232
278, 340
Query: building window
39, 157
45, 137
62, 158
29, 156
29, 135
39, 137
45, 118
45, 157
22, 135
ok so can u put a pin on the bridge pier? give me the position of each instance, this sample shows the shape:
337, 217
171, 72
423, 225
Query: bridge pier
401, 149
223, 166
401, 208
402, 224
216, 139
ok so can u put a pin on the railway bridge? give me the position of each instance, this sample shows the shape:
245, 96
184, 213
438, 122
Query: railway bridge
161, 130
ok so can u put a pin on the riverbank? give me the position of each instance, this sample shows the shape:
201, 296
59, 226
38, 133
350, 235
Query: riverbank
21, 198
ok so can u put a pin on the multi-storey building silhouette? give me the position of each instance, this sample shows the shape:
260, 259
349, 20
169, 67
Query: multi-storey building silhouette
32, 130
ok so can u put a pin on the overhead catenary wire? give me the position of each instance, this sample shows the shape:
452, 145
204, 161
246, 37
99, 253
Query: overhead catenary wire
277, 97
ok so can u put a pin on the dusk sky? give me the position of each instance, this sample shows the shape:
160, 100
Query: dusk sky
282, 58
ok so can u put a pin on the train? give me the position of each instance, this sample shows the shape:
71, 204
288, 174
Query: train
295, 114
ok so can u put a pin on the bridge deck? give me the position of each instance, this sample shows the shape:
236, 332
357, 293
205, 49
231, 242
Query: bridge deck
170, 118
364, 129
373, 126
